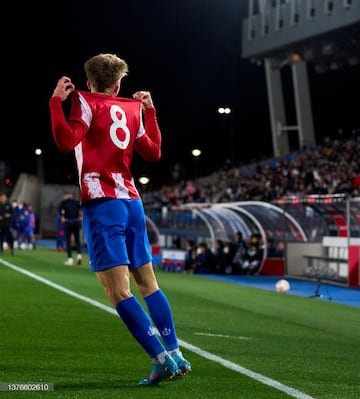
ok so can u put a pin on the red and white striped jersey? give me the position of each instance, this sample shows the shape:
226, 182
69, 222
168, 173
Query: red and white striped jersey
104, 130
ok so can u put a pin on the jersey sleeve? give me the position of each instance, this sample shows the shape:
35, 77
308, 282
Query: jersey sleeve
148, 145
67, 134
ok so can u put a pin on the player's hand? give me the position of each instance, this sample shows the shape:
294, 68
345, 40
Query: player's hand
145, 98
63, 88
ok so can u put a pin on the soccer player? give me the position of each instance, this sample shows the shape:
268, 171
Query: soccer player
104, 130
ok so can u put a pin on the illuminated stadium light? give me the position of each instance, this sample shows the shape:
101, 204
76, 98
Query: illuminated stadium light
196, 152
224, 110
144, 180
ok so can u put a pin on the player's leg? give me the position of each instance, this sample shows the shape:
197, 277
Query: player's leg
117, 289
32, 237
160, 312
105, 224
68, 232
76, 232
139, 252
10, 238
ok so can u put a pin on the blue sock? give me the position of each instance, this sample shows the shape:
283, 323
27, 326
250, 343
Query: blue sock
139, 325
161, 314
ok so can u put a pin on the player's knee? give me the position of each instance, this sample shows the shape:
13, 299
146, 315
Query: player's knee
116, 295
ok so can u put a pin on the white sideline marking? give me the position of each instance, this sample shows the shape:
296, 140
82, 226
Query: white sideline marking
59, 287
217, 359
222, 335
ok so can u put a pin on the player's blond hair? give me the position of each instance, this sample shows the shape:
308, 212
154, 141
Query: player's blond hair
105, 70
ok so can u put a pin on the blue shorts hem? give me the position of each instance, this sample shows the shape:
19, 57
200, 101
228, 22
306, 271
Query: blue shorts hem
106, 267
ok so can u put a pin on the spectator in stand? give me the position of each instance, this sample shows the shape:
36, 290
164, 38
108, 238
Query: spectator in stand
337, 170
355, 183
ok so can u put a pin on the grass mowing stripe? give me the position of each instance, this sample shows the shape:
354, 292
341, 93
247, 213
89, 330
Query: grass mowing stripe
225, 363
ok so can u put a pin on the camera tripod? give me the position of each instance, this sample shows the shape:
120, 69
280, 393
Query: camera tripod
317, 293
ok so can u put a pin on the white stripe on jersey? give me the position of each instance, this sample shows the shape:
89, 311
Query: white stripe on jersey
141, 131
79, 159
120, 189
86, 114
92, 181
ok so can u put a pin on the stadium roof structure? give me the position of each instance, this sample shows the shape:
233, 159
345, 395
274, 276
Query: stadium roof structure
223, 220
322, 32
293, 33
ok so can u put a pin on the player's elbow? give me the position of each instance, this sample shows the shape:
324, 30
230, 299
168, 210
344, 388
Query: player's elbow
64, 145
157, 156
154, 157
64, 148
149, 152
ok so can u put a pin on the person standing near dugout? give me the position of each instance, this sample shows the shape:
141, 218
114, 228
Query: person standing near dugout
71, 216
105, 130
6, 223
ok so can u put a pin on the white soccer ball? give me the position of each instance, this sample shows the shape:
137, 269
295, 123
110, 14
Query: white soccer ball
282, 286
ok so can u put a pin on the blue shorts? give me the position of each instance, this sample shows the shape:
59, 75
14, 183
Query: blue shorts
116, 234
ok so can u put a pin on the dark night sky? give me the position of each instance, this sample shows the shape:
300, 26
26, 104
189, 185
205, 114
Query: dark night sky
187, 53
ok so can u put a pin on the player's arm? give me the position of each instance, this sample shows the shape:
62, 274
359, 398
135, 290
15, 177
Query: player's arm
67, 134
149, 144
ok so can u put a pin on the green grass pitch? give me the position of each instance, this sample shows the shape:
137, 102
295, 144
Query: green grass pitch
245, 343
